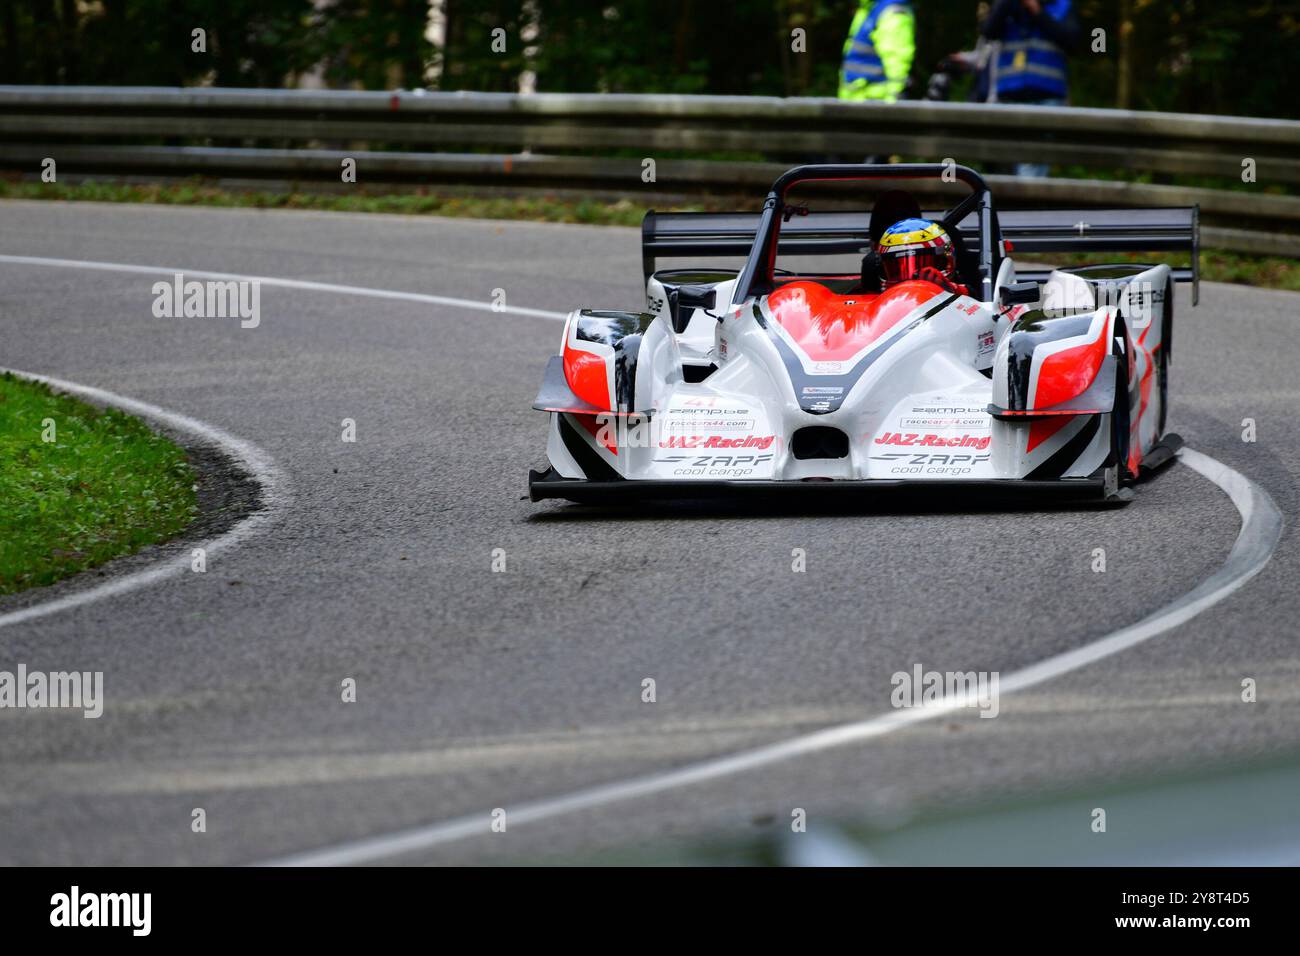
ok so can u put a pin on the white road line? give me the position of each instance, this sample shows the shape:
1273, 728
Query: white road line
274, 486
285, 284
1261, 529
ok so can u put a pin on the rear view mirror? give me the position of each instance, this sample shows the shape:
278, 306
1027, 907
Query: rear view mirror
697, 296
1018, 293
683, 300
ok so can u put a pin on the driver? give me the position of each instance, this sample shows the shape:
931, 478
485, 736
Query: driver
919, 249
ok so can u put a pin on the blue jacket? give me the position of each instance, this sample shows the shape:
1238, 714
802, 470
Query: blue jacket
1031, 61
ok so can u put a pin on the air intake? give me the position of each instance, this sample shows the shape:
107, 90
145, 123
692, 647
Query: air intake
819, 441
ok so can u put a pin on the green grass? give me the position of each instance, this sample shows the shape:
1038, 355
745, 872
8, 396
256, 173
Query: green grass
539, 209
106, 486
1263, 271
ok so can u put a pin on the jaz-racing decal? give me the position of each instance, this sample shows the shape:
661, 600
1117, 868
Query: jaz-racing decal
978, 442
731, 440
717, 441
933, 438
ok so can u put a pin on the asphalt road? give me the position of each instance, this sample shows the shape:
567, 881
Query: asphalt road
478, 690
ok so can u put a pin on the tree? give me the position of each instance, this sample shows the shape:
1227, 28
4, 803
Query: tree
1201, 56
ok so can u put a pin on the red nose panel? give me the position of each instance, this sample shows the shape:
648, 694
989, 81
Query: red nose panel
833, 328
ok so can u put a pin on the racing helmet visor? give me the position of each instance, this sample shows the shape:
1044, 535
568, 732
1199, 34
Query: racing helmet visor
901, 264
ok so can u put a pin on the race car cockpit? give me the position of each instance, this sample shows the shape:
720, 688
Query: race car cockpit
891, 206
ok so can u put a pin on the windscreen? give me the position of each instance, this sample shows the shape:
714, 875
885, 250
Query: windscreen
828, 227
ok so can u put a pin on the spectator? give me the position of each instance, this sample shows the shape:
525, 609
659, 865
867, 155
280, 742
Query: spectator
1030, 67
878, 53
984, 51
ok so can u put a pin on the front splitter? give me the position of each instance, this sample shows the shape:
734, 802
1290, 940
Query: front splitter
550, 484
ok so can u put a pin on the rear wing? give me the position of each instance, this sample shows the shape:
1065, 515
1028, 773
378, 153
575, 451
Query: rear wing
1032, 231
1146, 229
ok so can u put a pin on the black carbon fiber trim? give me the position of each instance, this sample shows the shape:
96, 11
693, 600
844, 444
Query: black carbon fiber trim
1059, 463
621, 331
592, 465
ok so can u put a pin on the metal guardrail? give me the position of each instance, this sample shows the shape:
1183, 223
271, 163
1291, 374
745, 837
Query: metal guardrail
583, 142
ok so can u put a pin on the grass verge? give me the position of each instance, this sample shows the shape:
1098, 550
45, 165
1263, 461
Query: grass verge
80, 485
1271, 272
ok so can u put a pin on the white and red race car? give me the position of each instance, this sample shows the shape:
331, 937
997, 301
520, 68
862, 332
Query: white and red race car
769, 379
